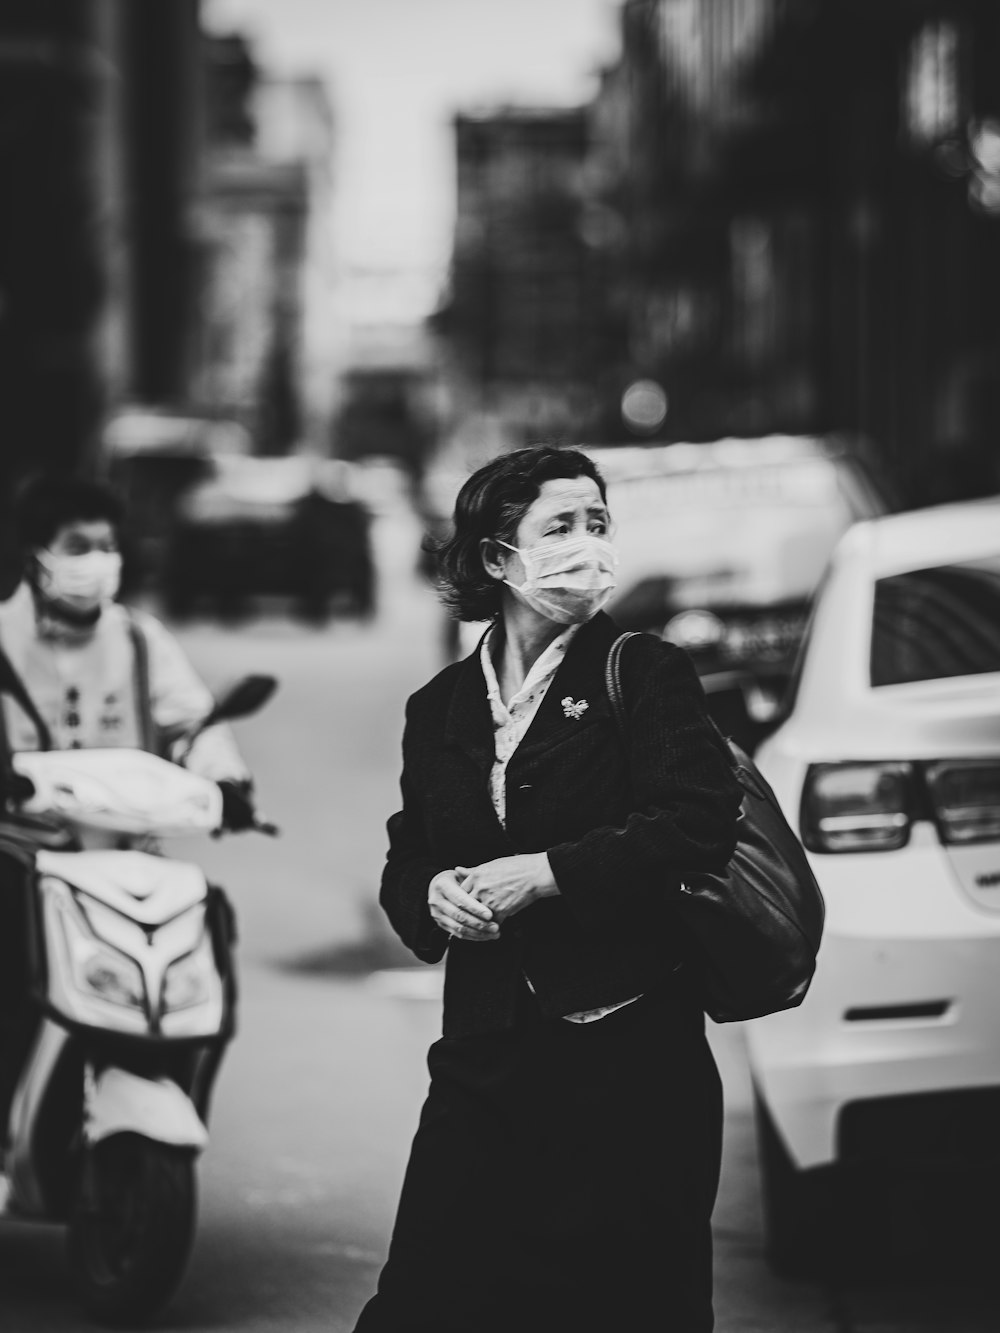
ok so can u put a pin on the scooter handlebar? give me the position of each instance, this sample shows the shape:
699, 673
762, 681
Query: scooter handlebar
259, 825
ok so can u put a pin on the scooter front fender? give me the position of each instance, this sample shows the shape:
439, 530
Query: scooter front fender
117, 1102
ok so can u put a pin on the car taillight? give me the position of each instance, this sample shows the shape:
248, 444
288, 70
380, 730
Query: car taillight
857, 807
966, 799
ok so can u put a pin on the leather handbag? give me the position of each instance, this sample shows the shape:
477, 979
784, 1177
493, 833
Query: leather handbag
751, 931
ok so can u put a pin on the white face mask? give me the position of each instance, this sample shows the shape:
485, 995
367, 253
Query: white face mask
84, 582
568, 579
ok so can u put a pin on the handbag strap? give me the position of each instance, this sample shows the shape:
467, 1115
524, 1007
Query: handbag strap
12, 684
613, 685
140, 676
613, 681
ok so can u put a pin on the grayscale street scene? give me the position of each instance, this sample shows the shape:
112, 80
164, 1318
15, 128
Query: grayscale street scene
321, 1091
629, 370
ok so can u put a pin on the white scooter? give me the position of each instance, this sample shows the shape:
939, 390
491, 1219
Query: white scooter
130, 1005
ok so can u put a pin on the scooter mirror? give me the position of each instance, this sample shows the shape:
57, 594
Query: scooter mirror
245, 697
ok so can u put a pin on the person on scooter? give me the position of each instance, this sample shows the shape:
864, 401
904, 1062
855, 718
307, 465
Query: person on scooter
100, 675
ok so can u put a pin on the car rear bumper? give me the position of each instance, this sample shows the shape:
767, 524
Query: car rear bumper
904, 1002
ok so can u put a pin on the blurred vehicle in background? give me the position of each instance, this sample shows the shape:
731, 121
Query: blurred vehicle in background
721, 547
381, 483
289, 526
888, 763
152, 457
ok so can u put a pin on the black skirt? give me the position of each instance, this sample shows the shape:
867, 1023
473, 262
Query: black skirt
562, 1178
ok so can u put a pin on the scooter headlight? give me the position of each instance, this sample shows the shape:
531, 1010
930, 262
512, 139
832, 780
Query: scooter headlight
98, 970
112, 977
188, 982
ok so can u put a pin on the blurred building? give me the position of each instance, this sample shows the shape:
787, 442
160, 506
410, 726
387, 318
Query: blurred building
99, 132
801, 212
267, 270
710, 187
911, 209
522, 319
128, 223
386, 399
295, 123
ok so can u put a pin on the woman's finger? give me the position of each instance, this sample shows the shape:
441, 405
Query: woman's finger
472, 935
470, 922
464, 902
460, 932
456, 922
453, 899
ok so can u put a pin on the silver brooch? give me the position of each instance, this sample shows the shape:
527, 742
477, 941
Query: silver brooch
574, 710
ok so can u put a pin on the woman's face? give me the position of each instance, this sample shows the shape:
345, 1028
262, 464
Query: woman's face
565, 507
567, 589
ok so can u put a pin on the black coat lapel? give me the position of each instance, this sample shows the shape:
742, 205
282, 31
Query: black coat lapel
579, 680
469, 723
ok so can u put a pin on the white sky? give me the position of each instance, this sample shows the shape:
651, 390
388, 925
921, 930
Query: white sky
396, 71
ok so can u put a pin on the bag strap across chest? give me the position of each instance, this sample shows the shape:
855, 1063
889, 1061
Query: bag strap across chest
12, 684
141, 687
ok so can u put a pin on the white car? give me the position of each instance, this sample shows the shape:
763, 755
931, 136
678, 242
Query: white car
888, 765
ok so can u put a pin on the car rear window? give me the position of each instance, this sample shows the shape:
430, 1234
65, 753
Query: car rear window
931, 624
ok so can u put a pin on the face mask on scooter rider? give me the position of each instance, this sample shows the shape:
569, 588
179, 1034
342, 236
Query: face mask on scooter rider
567, 579
89, 581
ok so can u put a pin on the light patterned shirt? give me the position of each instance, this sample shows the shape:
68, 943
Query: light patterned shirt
510, 723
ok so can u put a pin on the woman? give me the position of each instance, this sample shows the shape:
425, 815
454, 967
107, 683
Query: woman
564, 1170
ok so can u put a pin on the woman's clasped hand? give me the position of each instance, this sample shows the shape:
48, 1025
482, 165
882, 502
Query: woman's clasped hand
471, 902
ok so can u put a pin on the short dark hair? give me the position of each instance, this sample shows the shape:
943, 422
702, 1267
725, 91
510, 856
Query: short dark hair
45, 504
491, 504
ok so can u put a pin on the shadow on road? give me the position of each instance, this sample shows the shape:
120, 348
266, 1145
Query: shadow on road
377, 950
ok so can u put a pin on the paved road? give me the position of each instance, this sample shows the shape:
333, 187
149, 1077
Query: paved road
321, 1090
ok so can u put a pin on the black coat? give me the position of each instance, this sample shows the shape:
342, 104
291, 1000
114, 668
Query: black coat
620, 831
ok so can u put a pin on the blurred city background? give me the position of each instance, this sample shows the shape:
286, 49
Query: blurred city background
284, 273
783, 215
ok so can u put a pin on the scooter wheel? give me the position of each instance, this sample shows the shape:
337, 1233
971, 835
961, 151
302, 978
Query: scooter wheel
131, 1231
